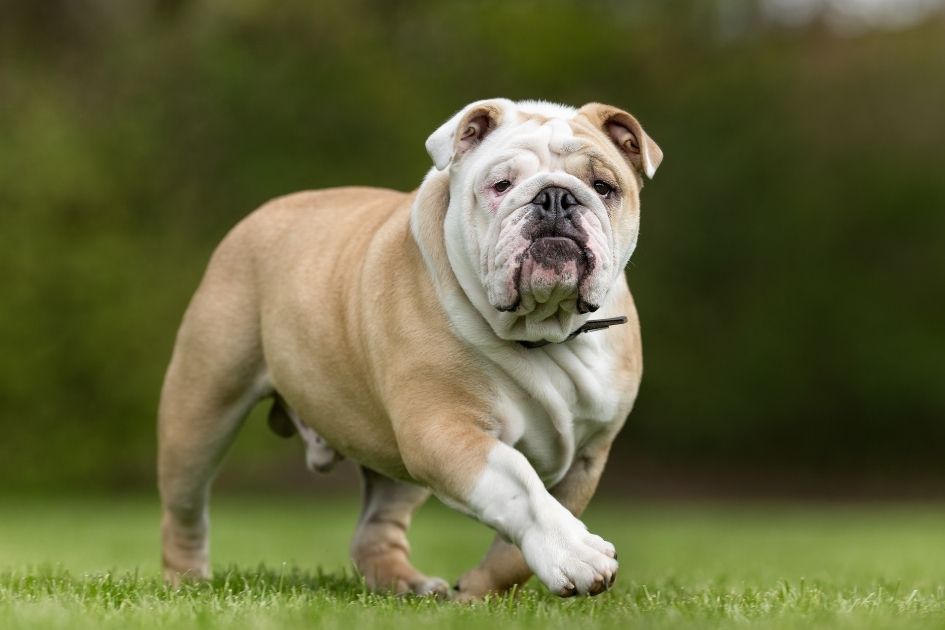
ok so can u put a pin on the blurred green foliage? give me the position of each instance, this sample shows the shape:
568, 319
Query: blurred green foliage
791, 266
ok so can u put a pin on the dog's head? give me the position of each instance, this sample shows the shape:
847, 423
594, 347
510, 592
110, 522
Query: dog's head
544, 207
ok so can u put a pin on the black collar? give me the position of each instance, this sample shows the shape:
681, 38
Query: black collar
591, 324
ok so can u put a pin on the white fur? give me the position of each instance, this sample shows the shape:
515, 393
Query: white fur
441, 142
509, 497
649, 167
546, 108
319, 455
550, 400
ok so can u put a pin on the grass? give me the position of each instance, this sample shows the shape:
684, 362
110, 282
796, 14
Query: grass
282, 563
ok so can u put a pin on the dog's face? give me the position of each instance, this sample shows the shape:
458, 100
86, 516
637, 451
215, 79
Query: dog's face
546, 198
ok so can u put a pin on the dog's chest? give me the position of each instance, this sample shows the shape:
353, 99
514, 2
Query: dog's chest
557, 400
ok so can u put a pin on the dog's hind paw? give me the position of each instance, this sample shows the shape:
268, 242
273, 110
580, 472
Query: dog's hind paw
433, 586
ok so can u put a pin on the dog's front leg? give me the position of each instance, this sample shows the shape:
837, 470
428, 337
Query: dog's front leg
490, 480
503, 566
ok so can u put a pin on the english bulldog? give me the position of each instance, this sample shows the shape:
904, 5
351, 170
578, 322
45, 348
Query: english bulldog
475, 339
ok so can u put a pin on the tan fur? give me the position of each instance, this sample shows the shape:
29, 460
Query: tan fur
355, 358
372, 367
533, 116
635, 145
380, 549
324, 300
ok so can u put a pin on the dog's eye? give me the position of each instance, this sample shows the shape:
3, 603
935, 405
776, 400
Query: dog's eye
502, 186
603, 188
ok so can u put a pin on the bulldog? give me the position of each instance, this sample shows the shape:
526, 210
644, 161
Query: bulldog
474, 339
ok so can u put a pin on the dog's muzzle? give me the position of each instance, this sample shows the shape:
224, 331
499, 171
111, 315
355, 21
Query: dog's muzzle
553, 214
557, 257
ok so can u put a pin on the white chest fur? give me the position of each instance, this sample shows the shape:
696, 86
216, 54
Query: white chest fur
552, 399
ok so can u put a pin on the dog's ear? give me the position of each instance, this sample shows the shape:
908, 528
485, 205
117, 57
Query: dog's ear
466, 130
625, 132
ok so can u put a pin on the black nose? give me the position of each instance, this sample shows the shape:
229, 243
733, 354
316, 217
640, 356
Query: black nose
554, 201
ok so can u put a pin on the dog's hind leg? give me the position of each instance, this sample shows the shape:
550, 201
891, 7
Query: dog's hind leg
216, 375
380, 549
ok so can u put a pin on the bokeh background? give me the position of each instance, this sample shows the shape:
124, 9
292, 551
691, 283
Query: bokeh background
790, 272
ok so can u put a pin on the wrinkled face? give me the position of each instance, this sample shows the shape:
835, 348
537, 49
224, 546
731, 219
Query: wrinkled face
549, 200
556, 215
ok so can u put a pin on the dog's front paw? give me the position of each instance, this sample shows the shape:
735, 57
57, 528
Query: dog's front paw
567, 558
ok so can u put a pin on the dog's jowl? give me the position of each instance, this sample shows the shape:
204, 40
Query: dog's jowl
475, 339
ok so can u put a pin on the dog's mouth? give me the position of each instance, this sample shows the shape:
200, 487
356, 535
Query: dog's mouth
555, 252
551, 271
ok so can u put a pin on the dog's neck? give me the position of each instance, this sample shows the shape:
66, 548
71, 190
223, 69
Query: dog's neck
589, 326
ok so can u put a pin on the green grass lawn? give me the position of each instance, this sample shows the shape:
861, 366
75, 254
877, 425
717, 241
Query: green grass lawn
282, 563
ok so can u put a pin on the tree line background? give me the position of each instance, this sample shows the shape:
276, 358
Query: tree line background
791, 265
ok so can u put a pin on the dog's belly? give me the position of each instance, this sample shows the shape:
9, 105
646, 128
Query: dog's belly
309, 280
331, 398
356, 432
